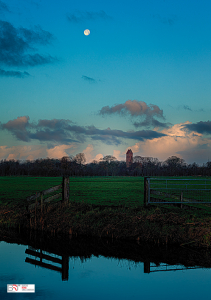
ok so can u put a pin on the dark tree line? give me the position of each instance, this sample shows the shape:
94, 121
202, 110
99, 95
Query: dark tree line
107, 166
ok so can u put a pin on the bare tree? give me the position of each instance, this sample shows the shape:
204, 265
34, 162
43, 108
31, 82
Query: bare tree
108, 158
80, 158
174, 165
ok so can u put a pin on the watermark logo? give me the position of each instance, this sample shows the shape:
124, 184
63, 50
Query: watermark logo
20, 288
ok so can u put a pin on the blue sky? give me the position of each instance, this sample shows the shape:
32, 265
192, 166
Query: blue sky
140, 80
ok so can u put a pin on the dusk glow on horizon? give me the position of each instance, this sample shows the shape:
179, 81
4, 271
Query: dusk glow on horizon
139, 81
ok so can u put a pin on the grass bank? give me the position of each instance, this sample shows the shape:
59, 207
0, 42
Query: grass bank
110, 191
113, 208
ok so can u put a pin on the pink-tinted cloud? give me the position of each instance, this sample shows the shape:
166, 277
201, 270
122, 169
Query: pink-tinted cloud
22, 152
88, 151
35, 151
59, 151
134, 108
18, 127
190, 146
117, 154
17, 124
98, 157
137, 109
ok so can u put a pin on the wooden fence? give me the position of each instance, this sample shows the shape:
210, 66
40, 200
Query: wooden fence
39, 196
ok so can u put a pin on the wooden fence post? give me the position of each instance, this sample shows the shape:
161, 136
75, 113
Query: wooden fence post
65, 189
181, 199
145, 191
35, 220
42, 202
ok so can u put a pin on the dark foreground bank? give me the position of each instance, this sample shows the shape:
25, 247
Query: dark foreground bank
154, 225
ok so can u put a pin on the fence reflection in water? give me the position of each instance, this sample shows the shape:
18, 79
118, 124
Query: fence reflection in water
63, 262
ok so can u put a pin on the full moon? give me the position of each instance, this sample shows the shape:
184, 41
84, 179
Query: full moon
87, 32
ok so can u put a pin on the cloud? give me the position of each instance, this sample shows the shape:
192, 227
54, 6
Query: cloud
54, 123
17, 74
81, 16
59, 151
59, 136
110, 136
107, 139
33, 152
134, 108
17, 124
88, 153
186, 107
200, 127
17, 43
62, 131
190, 146
18, 127
46, 130
22, 152
150, 121
166, 20
98, 157
117, 154
89, 79
176, 140
137, 109
3, 7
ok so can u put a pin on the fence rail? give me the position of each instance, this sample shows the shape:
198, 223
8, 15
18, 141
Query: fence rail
177, 191
64, 195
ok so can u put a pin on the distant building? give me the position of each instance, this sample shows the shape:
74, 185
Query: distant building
129, 158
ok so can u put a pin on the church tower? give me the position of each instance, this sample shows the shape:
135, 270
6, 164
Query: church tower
129, 158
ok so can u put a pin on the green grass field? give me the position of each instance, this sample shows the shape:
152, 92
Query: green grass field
15, 190
128, 191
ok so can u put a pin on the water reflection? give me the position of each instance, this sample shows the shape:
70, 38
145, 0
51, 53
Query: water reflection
40, 256
54, 252
85, 268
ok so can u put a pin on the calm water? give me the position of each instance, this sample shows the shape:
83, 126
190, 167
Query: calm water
103, 270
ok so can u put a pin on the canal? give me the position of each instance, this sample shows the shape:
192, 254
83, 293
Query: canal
87, 268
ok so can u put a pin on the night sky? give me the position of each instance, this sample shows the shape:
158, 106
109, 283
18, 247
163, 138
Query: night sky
140, 80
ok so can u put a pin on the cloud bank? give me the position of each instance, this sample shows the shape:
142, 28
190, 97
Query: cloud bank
33, 152
176, 140
62, 131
